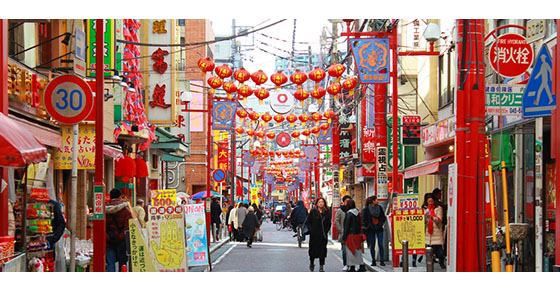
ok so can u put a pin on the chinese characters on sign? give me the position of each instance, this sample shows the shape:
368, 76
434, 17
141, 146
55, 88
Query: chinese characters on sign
223, 115
382, 189
504, 99
390, 138
438, 132
195, 233
166, 238
164, 197
108, 46
139, 255
345, 147
510, 55
372, 59
409, 225
86, 148
223, 155
411, 129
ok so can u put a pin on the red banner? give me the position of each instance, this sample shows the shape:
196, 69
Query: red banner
368, 136
223, 155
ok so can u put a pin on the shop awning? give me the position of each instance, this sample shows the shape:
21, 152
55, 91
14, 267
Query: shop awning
426, 167
112, 152
19, 147
167, 157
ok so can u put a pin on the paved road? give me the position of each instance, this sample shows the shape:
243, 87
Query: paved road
277, 253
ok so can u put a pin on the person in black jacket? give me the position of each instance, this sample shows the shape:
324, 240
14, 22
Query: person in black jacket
58, 225
230, 229
373, 219
352, 237
319, 224
215, 212
250, 225
299, 213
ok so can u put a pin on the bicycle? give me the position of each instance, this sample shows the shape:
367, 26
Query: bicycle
282, 223
299, 234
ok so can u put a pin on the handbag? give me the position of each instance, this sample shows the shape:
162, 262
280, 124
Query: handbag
229, 228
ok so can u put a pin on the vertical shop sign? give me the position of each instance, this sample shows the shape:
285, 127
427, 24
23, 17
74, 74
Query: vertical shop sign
86, 148
345, 147
195, 234
108, 47
139, 256
390, 142
223, 155
451, 218
372, 59
382, 188
166, 238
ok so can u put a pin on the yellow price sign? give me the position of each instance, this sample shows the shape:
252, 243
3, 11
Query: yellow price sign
164, 197
409, 225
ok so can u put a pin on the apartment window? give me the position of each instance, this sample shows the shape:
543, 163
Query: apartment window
550, 28
181, 22
444, 81
16, 40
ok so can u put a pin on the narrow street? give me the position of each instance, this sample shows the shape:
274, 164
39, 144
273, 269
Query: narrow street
277, 253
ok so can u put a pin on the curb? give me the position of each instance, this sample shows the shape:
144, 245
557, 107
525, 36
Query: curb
218, 245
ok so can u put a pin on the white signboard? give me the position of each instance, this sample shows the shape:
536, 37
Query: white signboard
535, 30
451, 218
282, 101
80, 52
382, 178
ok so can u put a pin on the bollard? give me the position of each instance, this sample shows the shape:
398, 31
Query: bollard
429, 259
124, 269
405, 256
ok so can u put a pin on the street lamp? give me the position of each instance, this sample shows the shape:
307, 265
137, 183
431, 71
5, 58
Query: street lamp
432, 34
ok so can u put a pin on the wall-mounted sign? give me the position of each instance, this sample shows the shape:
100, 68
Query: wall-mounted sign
86, 148
536, 29
108, 47
510, 55
504, 99
411, 129
438, 132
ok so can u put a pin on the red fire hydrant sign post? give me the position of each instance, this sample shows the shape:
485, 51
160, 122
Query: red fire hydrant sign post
510, 55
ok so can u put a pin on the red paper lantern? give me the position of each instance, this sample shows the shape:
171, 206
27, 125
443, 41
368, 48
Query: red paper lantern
215, 83
298, 78
241, 75
350, 84
254, 116
315, 130
304, 118
259, 77
258, 153
229, 88
316, 117
324, 127
261, 134
224, 71
279, 118
334, 89
292, 119
278, 153
266, 118
329, 114
336, 70
270, 135
262, 94
245, 91
301, 95
250, 133
141, 167
239, 130
297, 151
278, 78
318, 93
206, 65
285, 153
295, 134
252, 151
241, 113
306, 132
317, 75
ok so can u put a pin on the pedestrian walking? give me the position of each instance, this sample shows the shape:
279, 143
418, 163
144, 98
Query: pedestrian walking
434, 229
233, 222
339, 224
353, 237
229, 225
215, 212
241, 213
118, 215
140, 212
319, 224
373, 219
250, 226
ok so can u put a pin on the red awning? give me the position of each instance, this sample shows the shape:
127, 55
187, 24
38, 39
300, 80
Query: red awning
18, 147
425, 167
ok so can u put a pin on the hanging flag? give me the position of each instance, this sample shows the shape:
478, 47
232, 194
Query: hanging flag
325, 137
223, 115
311, 153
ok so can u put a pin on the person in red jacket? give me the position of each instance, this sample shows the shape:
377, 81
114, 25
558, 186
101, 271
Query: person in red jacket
118, 213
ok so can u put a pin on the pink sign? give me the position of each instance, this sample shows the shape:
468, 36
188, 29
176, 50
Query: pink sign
197, 102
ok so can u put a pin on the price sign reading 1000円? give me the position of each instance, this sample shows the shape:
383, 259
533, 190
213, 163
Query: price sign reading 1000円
68, 99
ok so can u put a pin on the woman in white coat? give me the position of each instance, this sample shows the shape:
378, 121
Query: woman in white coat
434, 228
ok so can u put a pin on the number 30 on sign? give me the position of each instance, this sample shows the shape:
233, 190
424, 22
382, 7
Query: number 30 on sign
408, 201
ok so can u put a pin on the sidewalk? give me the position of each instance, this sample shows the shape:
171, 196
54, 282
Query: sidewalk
420, 267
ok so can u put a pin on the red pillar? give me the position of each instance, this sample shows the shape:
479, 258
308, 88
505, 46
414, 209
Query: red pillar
469, 148
317, 180
99, 225
208, 161
4, 110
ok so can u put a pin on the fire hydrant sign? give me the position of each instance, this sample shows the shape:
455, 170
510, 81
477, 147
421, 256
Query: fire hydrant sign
510, 55
164, 197
139, 255
409, 225
195, 233
166, 238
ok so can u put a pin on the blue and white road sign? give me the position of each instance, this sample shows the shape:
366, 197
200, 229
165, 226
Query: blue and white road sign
537, 98
219, 175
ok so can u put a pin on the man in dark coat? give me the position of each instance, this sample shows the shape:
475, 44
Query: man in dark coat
373, 219
250, 225
215, 212
299, 213
319, 224
118, 214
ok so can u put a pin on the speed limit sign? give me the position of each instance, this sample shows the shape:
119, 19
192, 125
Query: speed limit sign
68, 99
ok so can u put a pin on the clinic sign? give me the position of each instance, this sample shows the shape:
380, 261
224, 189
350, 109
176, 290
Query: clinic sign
510, 55
504, 99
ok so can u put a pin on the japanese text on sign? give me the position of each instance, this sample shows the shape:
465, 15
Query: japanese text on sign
504, 100
409, 225
86, 148
408, 201
164, 197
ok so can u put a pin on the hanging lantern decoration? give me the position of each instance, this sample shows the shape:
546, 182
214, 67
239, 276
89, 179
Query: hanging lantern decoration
271, 135
245, 91
239, 131
334, 89
329, 114
259, 77
295, 134
306, 132
250, 133
315, 130
215, 83
278, 78
349, 84
297, 151
242, 113
298, 78
279, 118
241, 75
278, 153
318, 93
252, 151
316, 117
324, 127
258, 152
304, 118
266, 118
229, 88
262, 94
254, 116
292, 119
285, 153
317, 75
224, 71
261, 134
336, 70
206, 65
301, 95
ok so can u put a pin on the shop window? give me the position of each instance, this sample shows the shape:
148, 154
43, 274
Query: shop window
16, 40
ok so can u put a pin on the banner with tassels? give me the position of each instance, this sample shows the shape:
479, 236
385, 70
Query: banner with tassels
372, 59
223, 115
